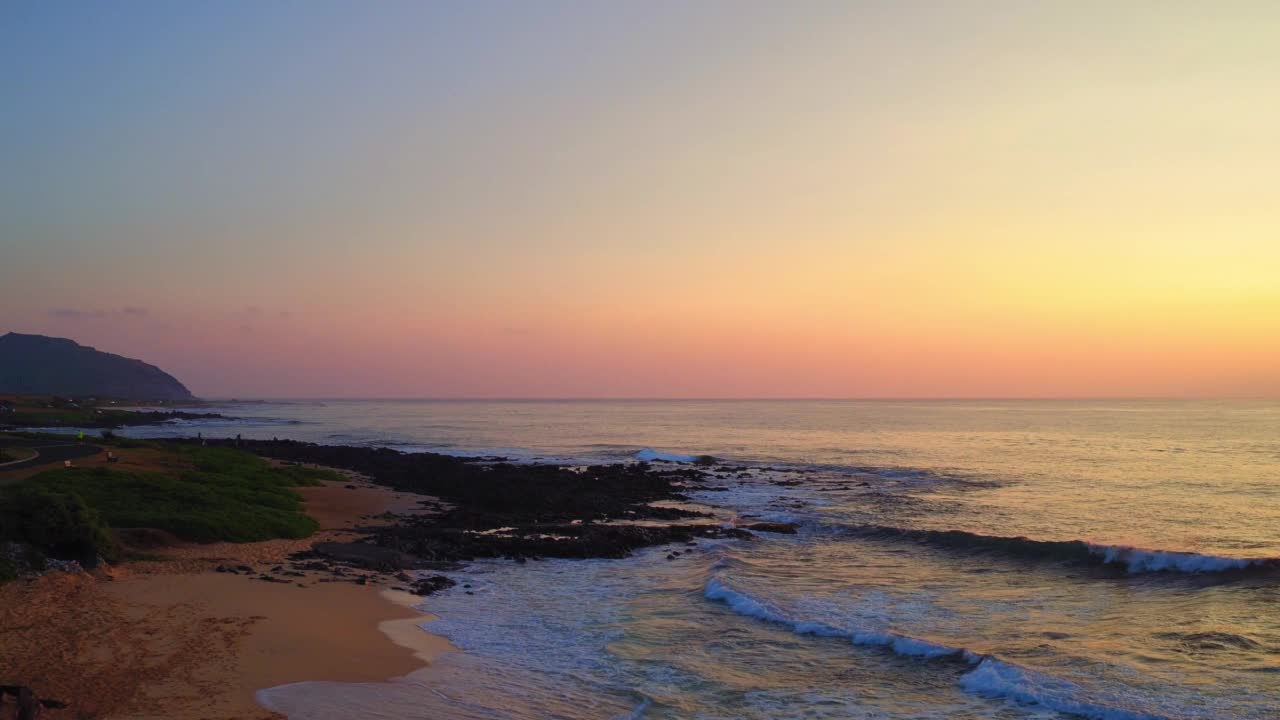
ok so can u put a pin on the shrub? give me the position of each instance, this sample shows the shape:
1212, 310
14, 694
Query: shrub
55, 522
8, 571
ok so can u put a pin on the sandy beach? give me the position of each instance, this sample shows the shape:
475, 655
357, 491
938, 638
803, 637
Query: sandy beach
170, 638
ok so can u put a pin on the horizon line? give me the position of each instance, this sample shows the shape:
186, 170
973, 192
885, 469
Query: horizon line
602, 398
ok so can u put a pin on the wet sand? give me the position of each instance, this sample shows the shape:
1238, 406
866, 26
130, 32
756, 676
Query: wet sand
170, 639
289, 634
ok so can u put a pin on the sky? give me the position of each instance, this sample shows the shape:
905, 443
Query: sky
650, 199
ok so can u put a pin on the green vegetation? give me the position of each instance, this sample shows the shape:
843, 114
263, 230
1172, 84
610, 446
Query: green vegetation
56, 523
222, 494
247, 466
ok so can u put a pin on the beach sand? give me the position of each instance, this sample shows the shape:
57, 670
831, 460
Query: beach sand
171, 639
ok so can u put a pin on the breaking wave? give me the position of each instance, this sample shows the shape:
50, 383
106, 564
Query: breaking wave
990, 676
1135, 560
651, 455
996, 678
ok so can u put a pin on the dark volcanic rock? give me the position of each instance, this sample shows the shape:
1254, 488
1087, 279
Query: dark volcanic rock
41, 365
365, 555
425, 539
540, 493
503, 510
433, 584
28, 705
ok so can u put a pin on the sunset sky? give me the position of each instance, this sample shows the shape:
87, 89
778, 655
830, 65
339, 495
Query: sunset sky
667, 199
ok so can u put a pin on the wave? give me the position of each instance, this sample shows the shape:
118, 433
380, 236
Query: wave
1212, 640
990, 676
996, 678
744, 604
1140, 561
1135, 560
651, 455
904, 645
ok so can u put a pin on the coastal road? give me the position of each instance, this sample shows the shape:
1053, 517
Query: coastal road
50, 452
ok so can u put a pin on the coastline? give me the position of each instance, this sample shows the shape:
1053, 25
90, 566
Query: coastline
171, 638
193, 631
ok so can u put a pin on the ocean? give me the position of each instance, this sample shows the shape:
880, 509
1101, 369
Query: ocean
1108, 559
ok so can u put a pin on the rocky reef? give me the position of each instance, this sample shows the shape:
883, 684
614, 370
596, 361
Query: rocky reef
492, 508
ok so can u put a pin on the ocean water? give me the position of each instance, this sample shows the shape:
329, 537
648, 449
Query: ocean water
993, 559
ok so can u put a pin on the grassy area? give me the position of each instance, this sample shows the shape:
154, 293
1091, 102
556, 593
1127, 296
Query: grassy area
211, 494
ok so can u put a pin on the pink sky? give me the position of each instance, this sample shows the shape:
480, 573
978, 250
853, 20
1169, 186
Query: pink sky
703, 200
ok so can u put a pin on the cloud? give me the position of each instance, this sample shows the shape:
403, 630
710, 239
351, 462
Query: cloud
73, 314
65, 313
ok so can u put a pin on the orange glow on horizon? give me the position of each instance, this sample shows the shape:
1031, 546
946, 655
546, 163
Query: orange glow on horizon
1043, 201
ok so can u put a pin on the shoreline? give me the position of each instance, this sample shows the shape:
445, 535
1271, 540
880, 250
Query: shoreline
172, 639
284, 634
189, 631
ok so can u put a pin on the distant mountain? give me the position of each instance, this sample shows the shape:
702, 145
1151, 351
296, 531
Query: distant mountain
40, 365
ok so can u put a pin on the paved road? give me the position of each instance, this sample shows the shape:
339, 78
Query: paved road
50, 452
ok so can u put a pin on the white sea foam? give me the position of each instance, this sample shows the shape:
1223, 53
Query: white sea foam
651, 455
1142, 561
996, 678
744, 604
990, 678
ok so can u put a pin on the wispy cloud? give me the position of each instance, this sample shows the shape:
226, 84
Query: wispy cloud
74, 314
65, 313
